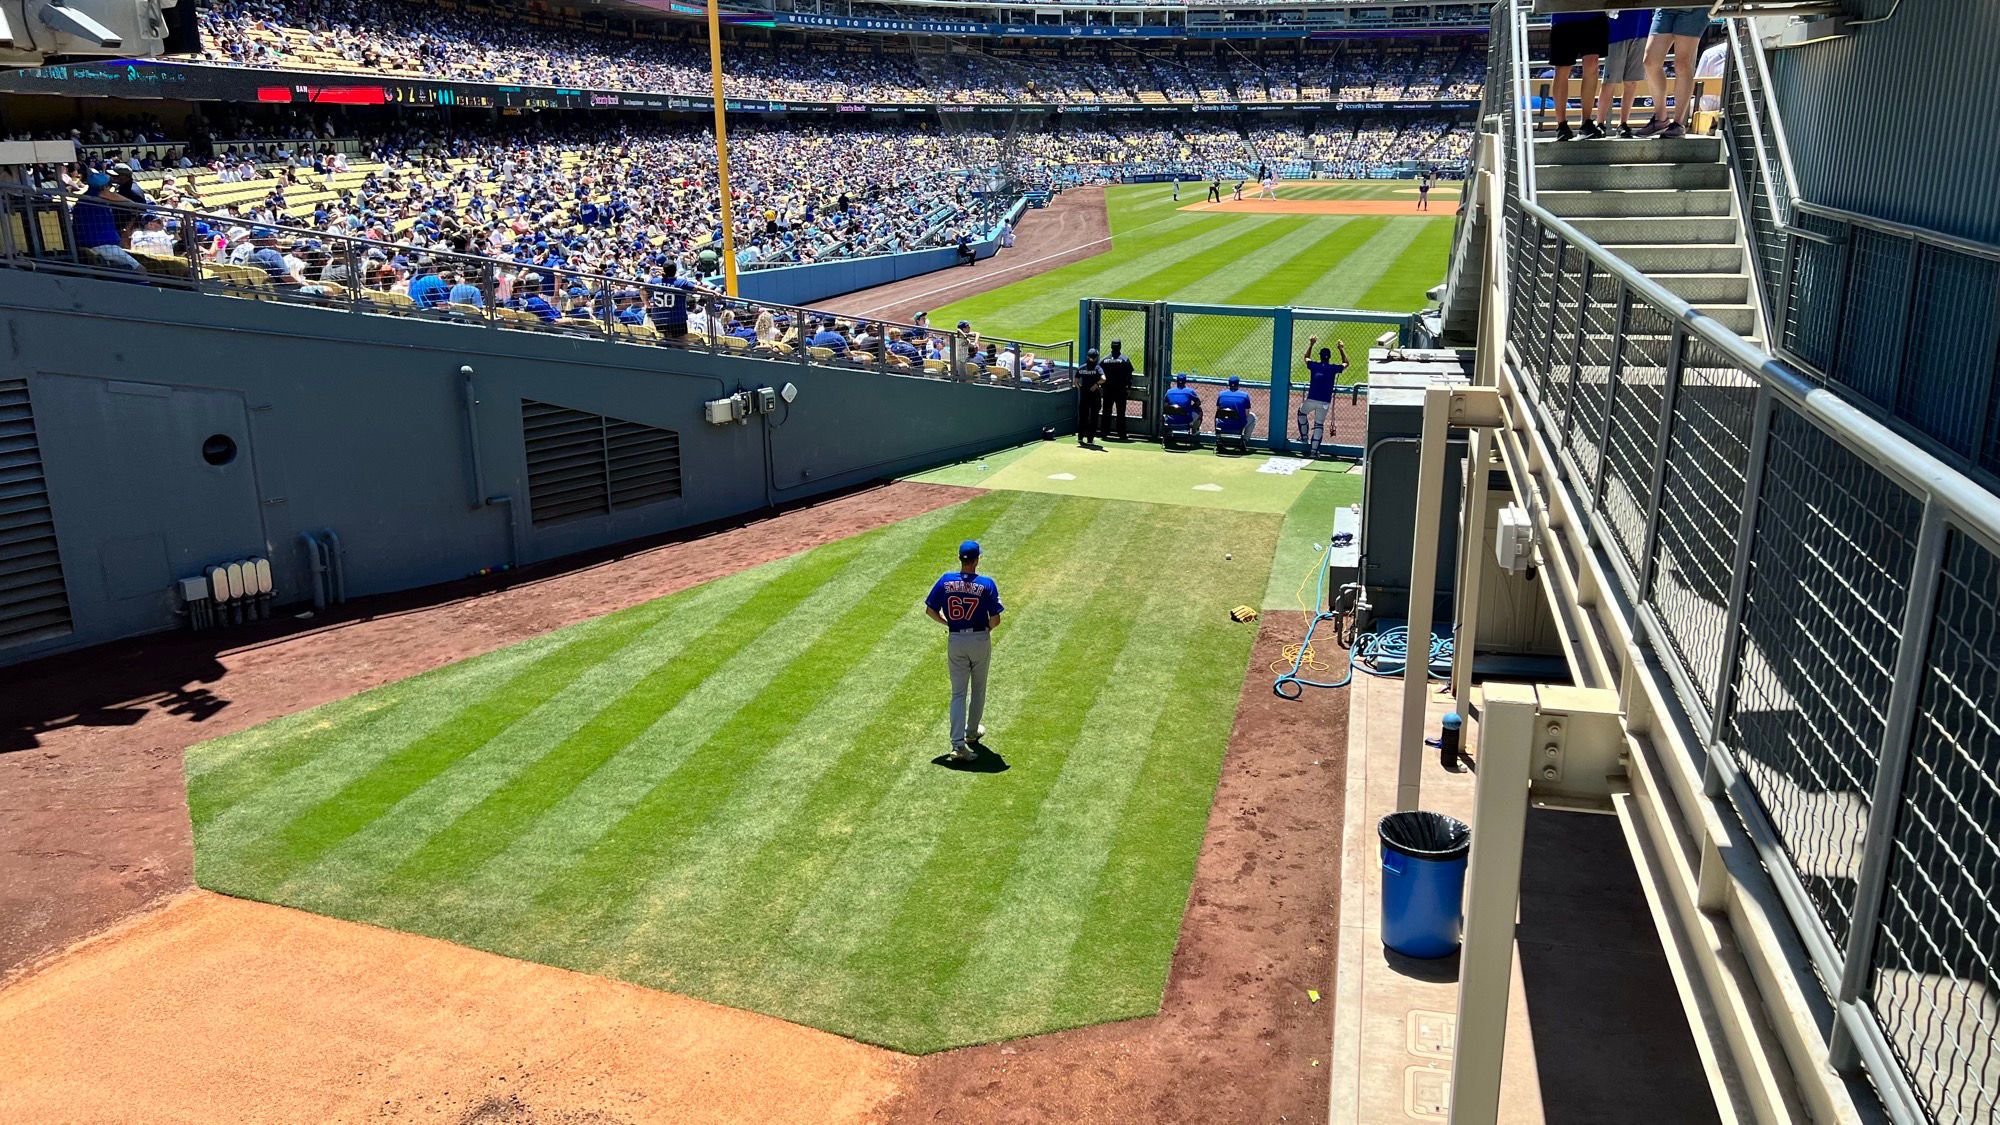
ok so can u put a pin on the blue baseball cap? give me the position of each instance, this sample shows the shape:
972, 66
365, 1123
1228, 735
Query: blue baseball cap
968, 548
1233, 381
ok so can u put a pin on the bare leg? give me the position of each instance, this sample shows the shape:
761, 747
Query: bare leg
1590, 65
1657, 47
1560, 94
1687, 51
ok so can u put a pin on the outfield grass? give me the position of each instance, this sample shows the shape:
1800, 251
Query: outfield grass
731, 793
1159, 252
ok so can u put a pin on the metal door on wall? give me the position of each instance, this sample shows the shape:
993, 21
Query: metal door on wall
180, 495
1137, 325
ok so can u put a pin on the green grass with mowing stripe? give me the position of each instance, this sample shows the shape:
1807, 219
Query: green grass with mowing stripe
1159, 252
730, 792
1308, 524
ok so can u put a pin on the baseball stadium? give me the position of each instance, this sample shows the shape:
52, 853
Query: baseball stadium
858, 563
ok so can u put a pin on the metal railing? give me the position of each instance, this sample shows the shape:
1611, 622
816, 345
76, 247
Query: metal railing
1903, 318
364, 276
1824, 596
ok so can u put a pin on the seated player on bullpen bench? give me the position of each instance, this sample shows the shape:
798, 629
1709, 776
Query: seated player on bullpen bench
1235, 422
1181, 417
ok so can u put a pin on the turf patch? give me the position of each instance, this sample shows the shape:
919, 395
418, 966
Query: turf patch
730, 793
1143, 471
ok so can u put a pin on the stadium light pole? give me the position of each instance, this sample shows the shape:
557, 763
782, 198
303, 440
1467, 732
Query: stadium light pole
728, 209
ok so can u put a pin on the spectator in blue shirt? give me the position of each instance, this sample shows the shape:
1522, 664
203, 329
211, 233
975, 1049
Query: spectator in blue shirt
464, 292
427, 289
533, 301
629, 311
95, 225
829, 337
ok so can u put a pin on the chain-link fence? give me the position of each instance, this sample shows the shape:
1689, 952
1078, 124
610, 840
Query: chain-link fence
1823, 594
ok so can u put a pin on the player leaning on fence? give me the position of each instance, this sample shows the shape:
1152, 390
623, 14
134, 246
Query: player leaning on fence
1323, 376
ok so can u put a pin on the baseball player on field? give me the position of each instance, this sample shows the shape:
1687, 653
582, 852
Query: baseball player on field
1323, 376
967, 604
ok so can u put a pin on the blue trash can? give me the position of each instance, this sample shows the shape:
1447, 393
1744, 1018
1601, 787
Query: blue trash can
1423, 882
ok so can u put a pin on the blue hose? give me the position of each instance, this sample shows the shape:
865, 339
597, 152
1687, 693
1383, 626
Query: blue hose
1377, 654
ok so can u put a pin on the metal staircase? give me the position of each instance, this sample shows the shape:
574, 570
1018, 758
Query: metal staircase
1665, 206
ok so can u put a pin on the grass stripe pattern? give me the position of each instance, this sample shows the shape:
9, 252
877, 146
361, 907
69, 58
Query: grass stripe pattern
730, 792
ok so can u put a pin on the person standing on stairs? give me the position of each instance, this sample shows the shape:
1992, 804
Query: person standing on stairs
1676, 31
1573, 38
1624, 68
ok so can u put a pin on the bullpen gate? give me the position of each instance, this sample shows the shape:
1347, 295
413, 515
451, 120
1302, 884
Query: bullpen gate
1262, 345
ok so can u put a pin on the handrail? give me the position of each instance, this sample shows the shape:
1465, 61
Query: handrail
1855, 428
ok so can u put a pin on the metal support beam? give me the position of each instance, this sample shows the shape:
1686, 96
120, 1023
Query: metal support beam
1472, 563
1423, 592
1898, 730
1493, 891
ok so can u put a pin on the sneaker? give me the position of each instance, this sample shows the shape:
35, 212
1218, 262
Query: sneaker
1674, 130
1591, 132
1653, 128
1625, 131
1563, 132
963, 753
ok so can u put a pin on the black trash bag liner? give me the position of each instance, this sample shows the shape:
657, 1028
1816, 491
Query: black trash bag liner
1426, 835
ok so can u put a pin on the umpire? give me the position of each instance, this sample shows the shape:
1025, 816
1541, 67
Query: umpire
1089, 400
1117, 389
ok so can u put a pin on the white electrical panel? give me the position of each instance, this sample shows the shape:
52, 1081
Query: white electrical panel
1514, 539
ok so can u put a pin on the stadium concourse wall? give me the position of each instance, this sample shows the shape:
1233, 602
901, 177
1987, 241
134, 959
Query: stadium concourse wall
370, 427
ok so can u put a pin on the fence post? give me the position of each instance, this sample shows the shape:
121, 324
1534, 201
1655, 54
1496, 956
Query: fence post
1886, 800
1279, 430
1670, 395
1739, 570
1611, 379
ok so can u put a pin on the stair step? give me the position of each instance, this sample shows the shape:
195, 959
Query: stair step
1657, 229
1695, 288
1613, 204
1602, 177
1738, 318
1677, 150
1669, 259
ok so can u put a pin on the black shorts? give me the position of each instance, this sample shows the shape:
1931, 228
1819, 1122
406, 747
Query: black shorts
1570, 42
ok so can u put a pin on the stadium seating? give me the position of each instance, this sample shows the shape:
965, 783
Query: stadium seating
420, 39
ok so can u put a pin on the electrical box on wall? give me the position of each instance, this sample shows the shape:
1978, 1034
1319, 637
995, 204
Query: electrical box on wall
1514, 539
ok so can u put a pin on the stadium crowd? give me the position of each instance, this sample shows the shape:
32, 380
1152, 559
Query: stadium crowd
421, 40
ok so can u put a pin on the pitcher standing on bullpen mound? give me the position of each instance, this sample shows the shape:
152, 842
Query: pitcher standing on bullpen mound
968, 604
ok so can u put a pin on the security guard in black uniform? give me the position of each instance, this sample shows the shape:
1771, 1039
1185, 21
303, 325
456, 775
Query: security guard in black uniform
1089, 400
1117, 389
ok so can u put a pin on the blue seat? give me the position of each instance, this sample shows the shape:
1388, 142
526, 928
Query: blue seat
1177, 428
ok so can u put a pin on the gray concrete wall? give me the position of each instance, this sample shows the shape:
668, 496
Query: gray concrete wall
363, 424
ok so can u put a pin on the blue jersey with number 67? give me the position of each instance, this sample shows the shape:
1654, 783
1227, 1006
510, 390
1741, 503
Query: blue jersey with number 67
968, 602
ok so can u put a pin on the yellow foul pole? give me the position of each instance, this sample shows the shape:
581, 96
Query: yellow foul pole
728, 210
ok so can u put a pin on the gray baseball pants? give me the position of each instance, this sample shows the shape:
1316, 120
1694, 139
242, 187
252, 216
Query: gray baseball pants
969, 654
